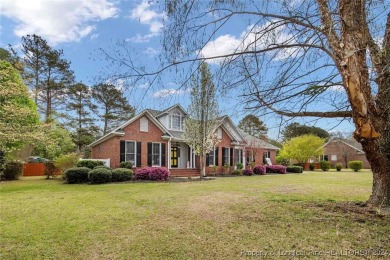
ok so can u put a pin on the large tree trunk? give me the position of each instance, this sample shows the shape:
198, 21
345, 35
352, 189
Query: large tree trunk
369, 117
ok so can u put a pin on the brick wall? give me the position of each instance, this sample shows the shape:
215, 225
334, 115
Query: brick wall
111, 149
344, 151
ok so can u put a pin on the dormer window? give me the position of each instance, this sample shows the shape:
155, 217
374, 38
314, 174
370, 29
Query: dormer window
176, 121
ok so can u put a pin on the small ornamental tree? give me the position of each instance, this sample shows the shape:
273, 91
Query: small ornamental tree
200, 129
303, 147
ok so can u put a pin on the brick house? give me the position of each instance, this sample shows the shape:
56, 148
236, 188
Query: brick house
155, 138
343, 150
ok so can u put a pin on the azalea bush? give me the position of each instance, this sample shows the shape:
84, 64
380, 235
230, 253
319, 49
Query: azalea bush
247, 172
259, 169
275, 169
152, 173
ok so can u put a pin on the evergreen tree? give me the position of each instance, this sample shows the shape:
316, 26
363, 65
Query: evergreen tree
296, 129
79, 117
111, 106
200, 130
252, 125
47, 74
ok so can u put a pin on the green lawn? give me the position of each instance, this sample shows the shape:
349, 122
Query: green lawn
280, 214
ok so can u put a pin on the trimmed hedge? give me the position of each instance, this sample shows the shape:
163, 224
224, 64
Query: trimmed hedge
76, 175
295, 169
99, 175
338, 166
275, 169
311, 167
152, 173
325, 165
122, 174
89, 163
102, 167
247, 172
259, 169
12, 170
355, 165
126, 164
236, 172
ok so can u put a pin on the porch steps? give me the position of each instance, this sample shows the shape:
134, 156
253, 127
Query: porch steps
184, 173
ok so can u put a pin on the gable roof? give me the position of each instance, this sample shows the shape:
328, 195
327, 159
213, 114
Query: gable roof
119, 130
166, 111
349, 142
257, 142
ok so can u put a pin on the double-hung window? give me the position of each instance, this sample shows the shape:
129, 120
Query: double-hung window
212, 157
237, 156
225, 156
156, 154
176, 121
131, 151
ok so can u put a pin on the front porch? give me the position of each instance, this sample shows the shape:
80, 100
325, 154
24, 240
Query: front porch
181, 160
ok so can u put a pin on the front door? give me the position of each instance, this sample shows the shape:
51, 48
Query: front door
174, 157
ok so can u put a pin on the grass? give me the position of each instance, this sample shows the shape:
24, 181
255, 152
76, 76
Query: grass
224, 218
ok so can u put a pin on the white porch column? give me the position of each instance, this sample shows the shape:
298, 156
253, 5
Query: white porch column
169, 154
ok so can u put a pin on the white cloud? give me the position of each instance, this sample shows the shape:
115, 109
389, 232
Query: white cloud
253, 38
57, 21
138, 38
94, 36
146, 16
168, 92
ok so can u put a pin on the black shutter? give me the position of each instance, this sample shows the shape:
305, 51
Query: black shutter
138, 154
231, 157
122, 149
162, 154
216, 156
149, 154
224, 150
207, 160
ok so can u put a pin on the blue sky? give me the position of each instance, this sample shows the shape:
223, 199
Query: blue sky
80, 28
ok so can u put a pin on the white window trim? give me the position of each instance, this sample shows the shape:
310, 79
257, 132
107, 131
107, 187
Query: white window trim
181, 121
240, 158
156, 165
333, 157
135, 151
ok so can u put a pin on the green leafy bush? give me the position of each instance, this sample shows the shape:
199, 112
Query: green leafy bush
99, 175
122, 174
66, 161
325, 165
355, 165
296, 169
12, 170
338, 167
76, 175
239, 166
127, 164
102, 167
89, 163
236, 172
311, 167
50, 169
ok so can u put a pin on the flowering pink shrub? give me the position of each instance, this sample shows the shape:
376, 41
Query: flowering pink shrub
152, 173
247, 172
158, 174
276, 169
259, 169
142, 174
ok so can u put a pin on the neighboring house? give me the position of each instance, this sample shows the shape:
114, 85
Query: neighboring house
343, 150
155, 138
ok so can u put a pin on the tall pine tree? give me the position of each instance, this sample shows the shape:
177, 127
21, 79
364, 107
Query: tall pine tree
112, 106
252, 125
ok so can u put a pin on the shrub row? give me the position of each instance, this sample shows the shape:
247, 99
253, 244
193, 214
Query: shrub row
89, 163
152, 173
99, 174
295, 169
275, 169
259, 169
